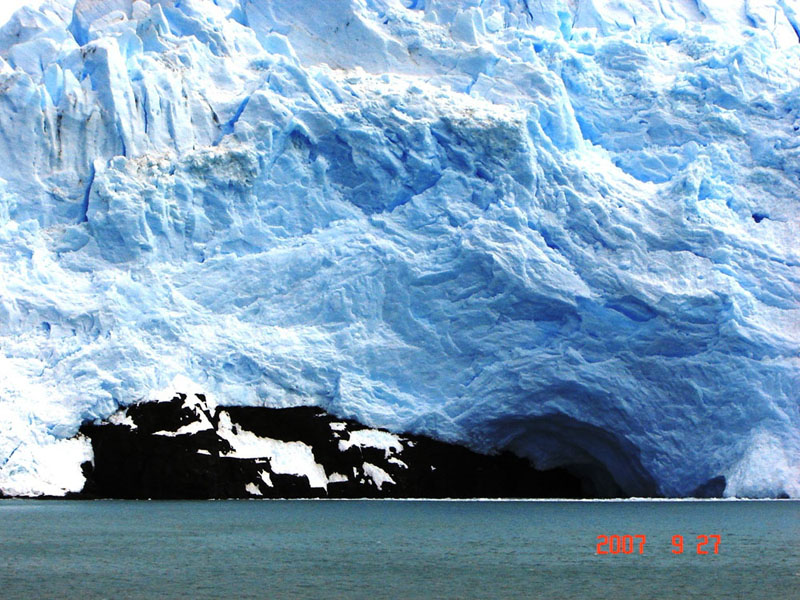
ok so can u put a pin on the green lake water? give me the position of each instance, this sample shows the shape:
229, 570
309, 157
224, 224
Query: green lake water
385, 549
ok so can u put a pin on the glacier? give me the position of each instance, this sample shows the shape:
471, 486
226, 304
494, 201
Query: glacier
566, 228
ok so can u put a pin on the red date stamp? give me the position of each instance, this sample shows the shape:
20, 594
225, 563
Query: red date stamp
629, 544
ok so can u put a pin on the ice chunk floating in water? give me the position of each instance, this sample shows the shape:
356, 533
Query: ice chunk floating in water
565, 228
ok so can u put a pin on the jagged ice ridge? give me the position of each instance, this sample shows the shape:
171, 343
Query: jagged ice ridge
568, 228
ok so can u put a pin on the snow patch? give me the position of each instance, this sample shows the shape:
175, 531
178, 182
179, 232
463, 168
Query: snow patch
202, 424
122, 418
372, 438
396, 461
264, 475
252, 489
287, 458
377, 475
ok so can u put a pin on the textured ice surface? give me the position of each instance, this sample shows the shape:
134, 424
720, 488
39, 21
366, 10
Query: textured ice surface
565, 227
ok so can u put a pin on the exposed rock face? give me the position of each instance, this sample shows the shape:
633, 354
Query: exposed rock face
188, 448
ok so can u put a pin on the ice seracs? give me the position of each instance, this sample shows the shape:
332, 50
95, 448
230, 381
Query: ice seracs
568, 228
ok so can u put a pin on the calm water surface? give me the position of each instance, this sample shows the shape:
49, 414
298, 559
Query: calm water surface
253, 549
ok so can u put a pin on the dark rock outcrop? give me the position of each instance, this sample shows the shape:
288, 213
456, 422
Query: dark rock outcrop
188, 448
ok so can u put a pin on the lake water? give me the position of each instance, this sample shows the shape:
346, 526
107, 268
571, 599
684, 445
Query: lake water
384, 549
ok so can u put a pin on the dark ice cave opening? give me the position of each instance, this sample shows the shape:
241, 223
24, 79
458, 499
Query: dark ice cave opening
606, 465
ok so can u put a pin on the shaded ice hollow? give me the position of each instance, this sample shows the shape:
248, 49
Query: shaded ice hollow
568, 228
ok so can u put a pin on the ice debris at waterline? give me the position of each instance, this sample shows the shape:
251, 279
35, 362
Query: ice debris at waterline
565, 228
189, 447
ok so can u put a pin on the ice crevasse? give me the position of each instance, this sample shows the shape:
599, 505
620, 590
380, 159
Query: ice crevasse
568, 228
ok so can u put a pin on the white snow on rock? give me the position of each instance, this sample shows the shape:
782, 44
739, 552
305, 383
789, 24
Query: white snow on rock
202, 424
121, 417
337, 478
397, 462
377, 475
264, 476
200, 407
566, 227
372, 438
288, 458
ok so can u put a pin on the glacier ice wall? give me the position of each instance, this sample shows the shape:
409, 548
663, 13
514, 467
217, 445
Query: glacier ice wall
564, 227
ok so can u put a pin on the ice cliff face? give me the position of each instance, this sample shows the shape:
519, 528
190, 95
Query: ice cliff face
568, 228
